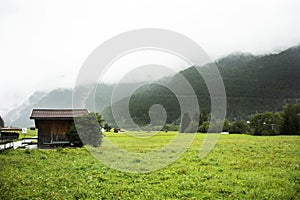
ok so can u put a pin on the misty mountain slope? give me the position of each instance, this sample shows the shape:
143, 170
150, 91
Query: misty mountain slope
253, 84
59, 98
18, 112
270, 76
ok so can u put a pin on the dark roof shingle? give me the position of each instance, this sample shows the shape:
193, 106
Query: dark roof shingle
57, 113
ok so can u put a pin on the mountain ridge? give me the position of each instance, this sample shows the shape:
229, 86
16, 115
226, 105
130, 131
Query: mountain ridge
253, 84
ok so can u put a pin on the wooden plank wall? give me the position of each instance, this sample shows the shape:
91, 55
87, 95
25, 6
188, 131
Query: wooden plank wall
52, 130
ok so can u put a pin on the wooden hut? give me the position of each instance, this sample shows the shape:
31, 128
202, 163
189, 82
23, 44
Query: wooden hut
52, 124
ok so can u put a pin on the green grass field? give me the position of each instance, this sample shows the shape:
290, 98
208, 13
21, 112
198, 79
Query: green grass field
239, 167
29, 134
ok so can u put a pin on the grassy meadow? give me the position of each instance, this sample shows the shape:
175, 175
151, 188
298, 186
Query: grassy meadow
29, 134
239, 167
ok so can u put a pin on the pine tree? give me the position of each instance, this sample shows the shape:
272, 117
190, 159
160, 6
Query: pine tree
291, 119
185, 122
1, 122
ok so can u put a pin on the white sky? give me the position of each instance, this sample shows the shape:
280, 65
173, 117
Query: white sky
44, 43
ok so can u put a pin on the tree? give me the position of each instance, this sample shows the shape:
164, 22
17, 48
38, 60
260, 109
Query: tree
267, 123
226, 125
171, 127
107, 128
203, 128
86, 130
291, 119
73, 136
1, 122
192, 128
185, 122
239, 127
204, 117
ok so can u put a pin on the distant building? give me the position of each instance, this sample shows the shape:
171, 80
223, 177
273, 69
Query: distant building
11, 129
53, 124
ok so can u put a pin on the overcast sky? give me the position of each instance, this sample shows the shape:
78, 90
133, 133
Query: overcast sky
44, 43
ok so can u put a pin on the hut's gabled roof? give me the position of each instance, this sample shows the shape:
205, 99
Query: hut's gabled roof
57, 113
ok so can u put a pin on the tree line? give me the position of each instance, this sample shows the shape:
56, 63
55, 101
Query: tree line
286, 122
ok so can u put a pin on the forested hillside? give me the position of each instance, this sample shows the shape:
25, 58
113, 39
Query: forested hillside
253, 84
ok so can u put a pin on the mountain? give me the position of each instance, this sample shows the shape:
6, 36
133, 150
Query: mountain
19, 117
17, 114
253, 84
62, 98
